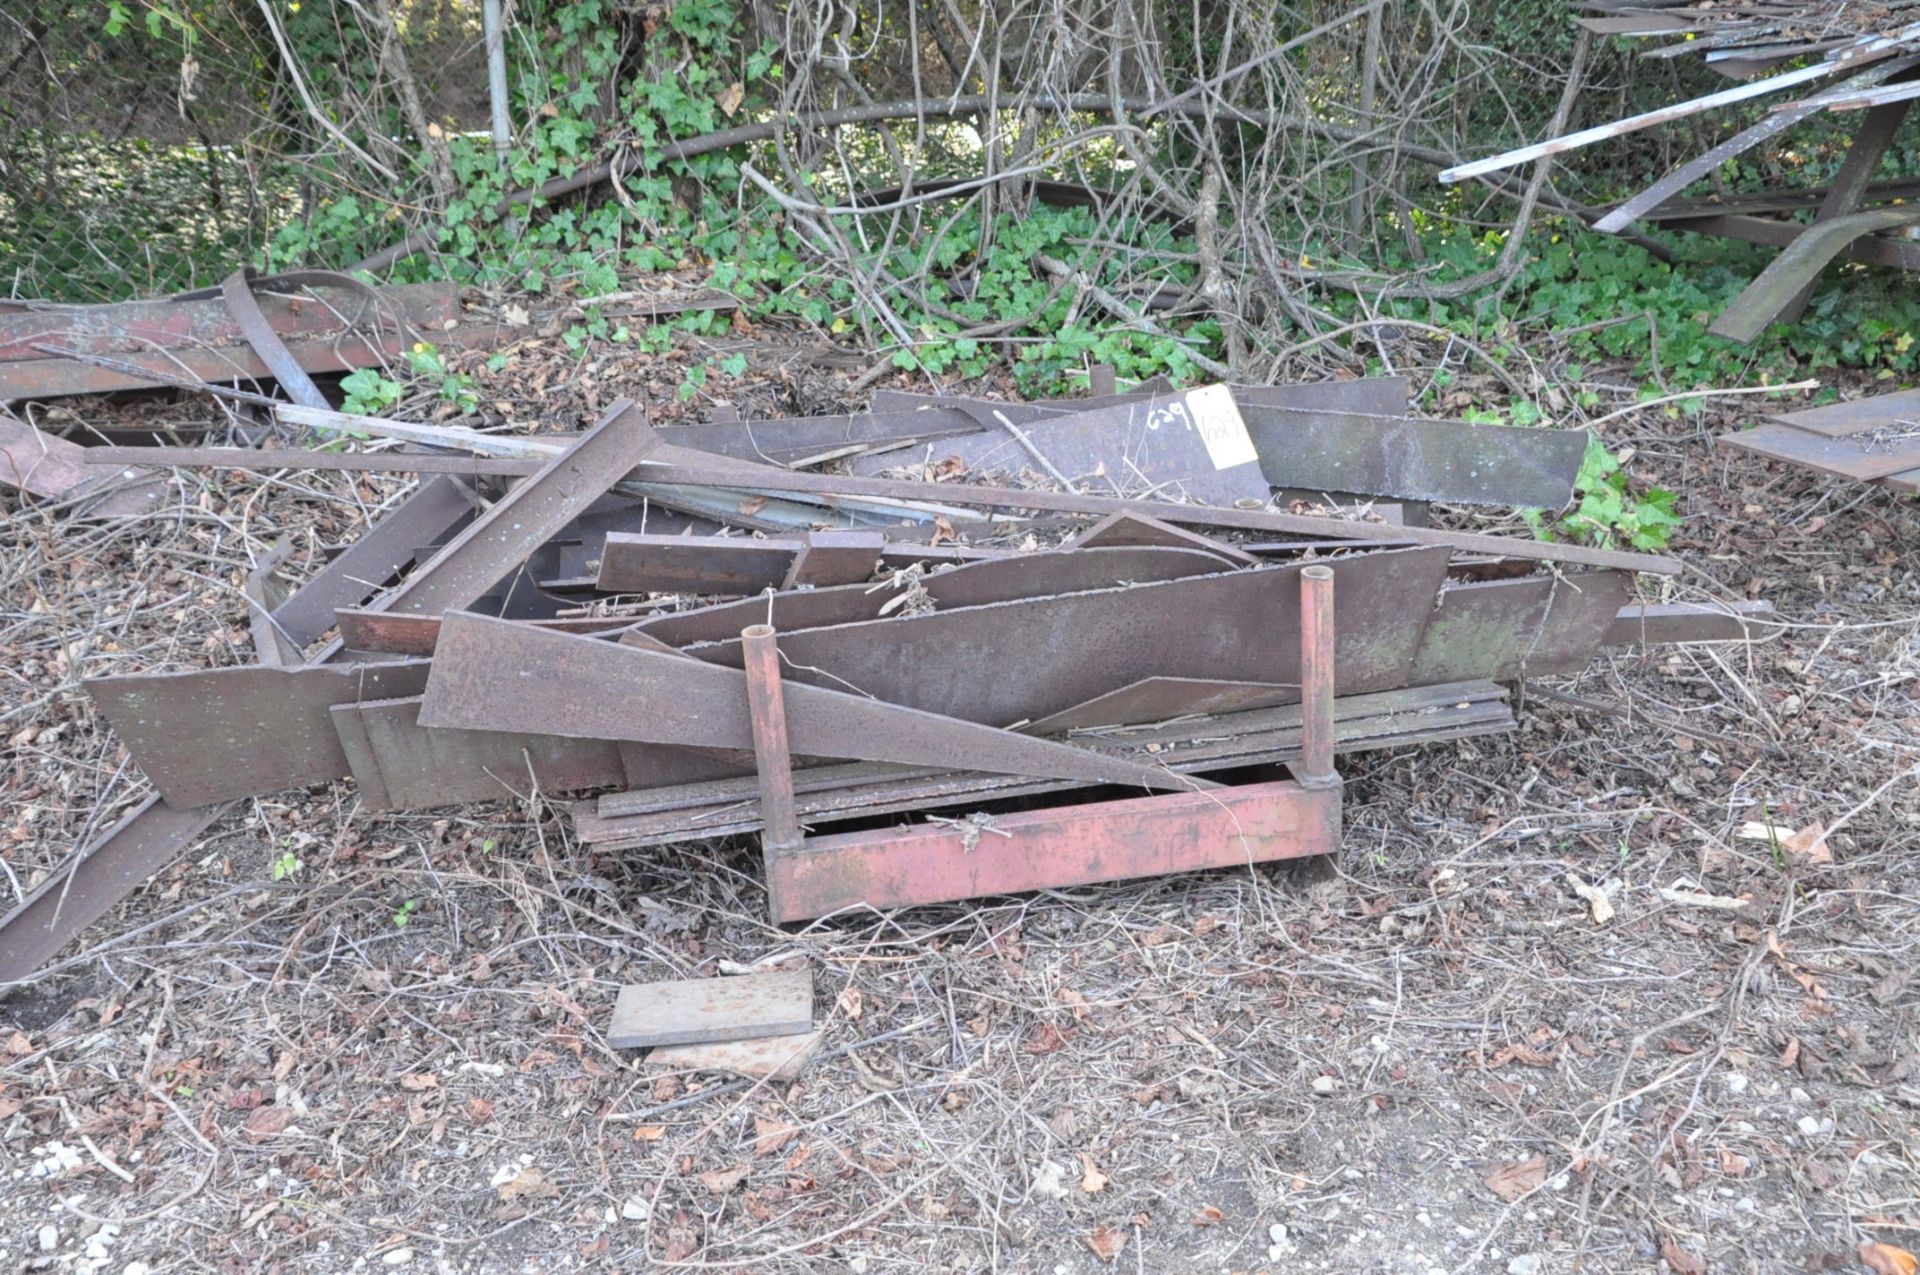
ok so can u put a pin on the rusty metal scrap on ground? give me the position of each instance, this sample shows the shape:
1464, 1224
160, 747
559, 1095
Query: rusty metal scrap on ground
1844, 57
1873, 440
944, 648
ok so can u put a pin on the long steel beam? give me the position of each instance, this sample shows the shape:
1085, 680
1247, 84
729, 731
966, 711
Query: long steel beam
1011, 662
92, 880
498, 675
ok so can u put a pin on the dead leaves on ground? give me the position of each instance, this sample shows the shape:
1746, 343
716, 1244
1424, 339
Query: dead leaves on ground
1885, 1259
1513, 1180
1680, 1261
1107, 1242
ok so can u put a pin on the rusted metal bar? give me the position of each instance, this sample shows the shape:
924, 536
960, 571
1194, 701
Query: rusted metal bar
493, 674
527, 517
1316, 678
731, 565
1071, 845
1138, 529
264, 592
829, 558
1775, 295
1873, 250
382, 631
772, 761
94, 878
263, 459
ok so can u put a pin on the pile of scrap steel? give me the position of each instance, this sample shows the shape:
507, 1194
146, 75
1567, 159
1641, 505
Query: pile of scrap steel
1872, 440
1852, 56
944, 648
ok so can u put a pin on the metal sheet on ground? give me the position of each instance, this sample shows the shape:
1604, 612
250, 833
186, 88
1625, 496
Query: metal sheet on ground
495, 674
1011, 662
220, 734
974, 584
94, 878
1899, 410
402, 765
1530, 627
1864, 455
1416, 459
1690, 622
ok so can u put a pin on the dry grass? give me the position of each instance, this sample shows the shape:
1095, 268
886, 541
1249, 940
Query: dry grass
1175, 1067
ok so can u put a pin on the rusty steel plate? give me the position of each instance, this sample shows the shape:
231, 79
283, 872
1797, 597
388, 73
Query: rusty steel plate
1868, 415
1187, 447
527, 517
1661, 624
828, 558
200, 339
972, 584
498, 675
1006, 663
1529, 627
1863, 456
1417, 459
219, 734
399, 764
735, 565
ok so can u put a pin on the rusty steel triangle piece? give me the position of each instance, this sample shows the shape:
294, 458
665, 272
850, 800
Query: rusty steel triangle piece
498, 675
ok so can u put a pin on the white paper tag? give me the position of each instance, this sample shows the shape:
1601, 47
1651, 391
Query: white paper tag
1217, 418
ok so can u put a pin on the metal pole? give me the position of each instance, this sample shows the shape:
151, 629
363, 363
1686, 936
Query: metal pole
780, 830
496, 32
1316, 677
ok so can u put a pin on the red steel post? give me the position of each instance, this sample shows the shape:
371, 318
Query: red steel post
1316, 677
771, 758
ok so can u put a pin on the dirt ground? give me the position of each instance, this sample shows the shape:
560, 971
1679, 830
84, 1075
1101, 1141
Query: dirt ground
1434, 1055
